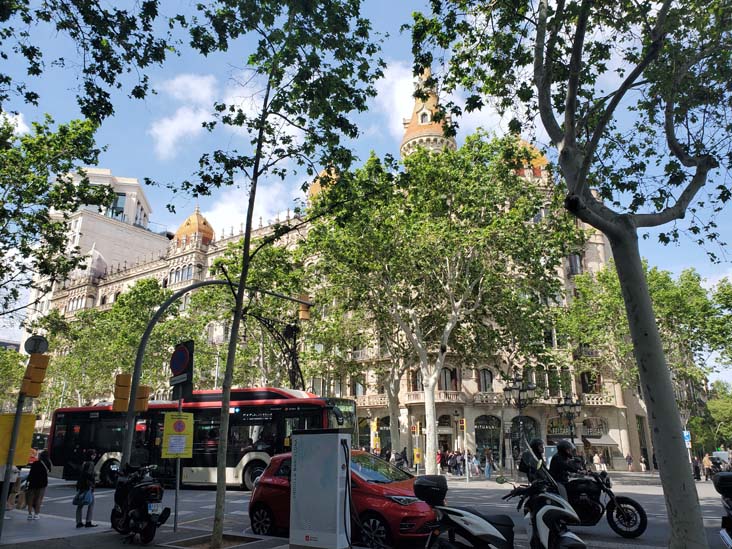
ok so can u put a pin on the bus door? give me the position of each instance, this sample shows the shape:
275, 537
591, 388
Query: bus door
205, 438
252, 429
299, 417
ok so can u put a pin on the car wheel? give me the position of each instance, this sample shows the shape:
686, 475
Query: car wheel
374, 532
262, 521
252, 472
109, 473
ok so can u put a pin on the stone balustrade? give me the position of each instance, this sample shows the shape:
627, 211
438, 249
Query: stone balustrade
440, 396
488, 398
589, 399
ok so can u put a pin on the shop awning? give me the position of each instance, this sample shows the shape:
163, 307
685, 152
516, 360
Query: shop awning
604, 440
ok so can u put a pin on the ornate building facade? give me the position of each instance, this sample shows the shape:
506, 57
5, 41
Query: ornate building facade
123, 250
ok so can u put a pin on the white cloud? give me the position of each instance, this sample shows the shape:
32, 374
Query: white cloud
710, 281
167, 132
17, 120
394, 97
199, 89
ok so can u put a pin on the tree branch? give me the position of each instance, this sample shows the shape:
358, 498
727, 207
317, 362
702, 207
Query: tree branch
575, 67
542, 74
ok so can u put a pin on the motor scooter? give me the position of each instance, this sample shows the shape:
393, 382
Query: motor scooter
723, 485
137, 501
461, 527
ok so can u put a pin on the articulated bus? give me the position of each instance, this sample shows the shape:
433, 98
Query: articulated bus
261, 421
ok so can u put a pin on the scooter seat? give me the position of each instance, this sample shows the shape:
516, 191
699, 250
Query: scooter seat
502, 523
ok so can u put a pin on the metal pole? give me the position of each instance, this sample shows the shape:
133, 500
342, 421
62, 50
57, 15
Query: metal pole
467, 465
177, 478
11, 458
216, 379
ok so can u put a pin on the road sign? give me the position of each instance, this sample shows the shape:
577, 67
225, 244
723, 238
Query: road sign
179, 362
417, 456
36, 344
25, 437
687, 438
177, 435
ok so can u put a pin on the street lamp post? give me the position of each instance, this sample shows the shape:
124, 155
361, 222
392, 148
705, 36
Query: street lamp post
569, 409
520, 395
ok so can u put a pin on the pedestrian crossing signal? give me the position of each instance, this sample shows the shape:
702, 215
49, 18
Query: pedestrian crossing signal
462, 424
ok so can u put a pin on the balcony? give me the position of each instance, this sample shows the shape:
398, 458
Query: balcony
593, 399
372, 401
488, 398
440, 396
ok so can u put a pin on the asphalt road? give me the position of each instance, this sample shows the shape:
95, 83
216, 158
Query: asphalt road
197, 510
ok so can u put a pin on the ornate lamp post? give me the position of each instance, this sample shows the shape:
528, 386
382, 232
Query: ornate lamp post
520, 395
569, 409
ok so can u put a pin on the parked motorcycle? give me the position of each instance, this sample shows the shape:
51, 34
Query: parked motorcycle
546, 513
591, 496
461, 527
723, 485
137, 501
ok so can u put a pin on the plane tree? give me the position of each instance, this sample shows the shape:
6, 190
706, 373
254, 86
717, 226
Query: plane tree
634, 98
439, 250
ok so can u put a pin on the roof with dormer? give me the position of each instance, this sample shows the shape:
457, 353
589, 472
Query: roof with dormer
195, 224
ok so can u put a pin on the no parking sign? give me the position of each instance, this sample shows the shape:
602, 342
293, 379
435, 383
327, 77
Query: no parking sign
178, 435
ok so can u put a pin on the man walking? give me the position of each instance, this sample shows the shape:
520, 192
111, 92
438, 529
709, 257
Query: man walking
629, 461
707, 464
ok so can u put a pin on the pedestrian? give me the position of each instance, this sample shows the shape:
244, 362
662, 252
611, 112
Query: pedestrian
596, 462
459, 463
488, 464
696, 466
440, 463
603, 463
629, 461
707, 464
643, 464
37, 482
392, 458
476, 465
85, 490
451, 463
655, 463
10, 503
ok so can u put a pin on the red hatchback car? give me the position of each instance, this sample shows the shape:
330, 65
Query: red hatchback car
383, 497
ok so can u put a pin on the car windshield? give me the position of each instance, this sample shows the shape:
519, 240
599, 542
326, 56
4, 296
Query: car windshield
373, 469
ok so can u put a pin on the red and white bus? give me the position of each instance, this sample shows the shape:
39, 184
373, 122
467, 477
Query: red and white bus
261, 421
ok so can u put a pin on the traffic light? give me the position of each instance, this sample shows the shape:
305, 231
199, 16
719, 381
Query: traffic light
462, 424
304, 313
35, 373
142, 399
122, 385
414, 429
419, 428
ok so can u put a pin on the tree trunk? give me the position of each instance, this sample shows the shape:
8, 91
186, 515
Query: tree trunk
682, 501
392, 395
430, 451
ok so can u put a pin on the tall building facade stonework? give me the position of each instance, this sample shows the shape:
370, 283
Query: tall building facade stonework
122, 250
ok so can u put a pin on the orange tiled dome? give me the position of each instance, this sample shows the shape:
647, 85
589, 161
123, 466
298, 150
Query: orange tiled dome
195, 224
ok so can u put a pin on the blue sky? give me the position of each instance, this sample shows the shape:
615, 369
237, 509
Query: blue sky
161, 137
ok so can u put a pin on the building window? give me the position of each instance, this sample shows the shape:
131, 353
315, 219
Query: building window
190, 272
117, 209
103, 300
416, 380
447, 381
424, 118
357, 388
590, 382
444, 421
575, 264
485, 381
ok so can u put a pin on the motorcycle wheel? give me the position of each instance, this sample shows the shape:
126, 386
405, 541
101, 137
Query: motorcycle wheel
147, 533
628, 519
118, 522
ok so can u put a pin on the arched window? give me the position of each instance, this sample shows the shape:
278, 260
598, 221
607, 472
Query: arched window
487, 436
554, 382
557, 426
190, 272
177, 275
424, 118
171, 276
522, 428
103, 300
116, 296
594, 427
591, 382
485, 381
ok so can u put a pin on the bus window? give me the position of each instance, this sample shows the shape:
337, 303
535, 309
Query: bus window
306, 418
252, 429
141, 443
205, 438
109, 434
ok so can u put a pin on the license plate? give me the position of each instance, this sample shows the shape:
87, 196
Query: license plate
153, 507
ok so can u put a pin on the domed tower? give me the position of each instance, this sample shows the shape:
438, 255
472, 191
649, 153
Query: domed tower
421, 130
196, 227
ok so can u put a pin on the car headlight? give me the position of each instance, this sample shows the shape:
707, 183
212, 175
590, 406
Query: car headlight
403, 500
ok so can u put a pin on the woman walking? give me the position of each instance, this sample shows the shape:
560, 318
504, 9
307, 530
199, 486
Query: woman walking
85, 490
37, 483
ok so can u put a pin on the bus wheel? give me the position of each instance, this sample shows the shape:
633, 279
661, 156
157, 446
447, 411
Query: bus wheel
251, 472
109, 473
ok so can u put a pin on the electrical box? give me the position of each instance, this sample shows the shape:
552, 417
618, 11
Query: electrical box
320, 499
